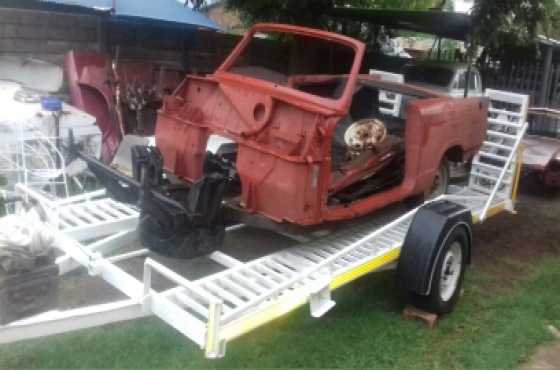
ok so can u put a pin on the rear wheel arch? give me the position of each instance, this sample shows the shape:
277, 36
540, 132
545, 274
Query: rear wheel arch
454, 154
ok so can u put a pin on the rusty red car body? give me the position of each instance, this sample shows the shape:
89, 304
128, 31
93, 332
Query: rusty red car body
284, 136
94, 86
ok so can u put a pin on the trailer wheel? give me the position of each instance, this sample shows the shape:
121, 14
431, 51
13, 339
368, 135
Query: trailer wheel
449, 272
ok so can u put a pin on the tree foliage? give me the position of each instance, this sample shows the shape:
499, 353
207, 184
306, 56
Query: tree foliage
505, 26
195, 4
550, 25
499, 26
312, 12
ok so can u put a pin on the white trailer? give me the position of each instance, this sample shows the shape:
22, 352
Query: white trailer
223, 306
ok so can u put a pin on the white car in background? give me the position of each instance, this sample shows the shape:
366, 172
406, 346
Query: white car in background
444, 77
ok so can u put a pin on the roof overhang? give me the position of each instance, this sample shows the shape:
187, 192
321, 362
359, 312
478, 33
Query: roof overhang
455, 26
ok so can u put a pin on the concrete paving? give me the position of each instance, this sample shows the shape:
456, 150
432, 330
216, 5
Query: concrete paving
78, 289
546, 358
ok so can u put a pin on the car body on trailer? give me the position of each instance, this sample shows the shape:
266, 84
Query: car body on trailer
303, 141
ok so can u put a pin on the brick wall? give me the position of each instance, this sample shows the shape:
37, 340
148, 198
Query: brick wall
196, 51
46, 35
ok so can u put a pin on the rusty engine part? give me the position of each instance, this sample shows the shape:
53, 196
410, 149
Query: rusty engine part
366, 134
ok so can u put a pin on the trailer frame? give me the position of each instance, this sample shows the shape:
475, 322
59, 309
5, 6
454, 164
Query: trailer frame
223, 306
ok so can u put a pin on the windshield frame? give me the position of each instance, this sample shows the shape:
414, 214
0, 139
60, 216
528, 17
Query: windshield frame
340, 104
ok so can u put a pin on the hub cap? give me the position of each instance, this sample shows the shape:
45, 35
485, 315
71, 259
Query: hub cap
451, 271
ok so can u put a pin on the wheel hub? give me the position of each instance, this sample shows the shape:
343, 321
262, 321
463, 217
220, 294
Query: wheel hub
451, 272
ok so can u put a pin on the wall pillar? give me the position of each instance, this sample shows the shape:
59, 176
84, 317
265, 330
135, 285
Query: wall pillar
546, 77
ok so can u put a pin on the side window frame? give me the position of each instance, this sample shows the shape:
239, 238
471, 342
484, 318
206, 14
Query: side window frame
461, 78
474, 80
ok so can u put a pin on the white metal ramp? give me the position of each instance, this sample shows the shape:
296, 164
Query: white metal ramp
494, 167
247, 295
218, 308
84, 217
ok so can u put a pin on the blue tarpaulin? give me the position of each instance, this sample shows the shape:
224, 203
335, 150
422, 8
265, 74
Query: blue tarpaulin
151, 10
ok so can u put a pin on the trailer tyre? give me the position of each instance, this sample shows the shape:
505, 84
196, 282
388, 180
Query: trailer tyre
449, 272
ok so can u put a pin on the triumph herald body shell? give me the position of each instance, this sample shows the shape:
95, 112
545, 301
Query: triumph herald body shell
284, 135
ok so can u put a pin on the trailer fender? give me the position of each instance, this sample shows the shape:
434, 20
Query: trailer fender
427, 235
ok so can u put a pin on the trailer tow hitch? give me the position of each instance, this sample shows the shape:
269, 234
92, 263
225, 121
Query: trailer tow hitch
175, 220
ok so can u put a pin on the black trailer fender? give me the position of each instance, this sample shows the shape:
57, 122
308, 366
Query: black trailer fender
431, 227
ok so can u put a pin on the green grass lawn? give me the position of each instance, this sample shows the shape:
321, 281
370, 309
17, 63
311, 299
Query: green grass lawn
493, 328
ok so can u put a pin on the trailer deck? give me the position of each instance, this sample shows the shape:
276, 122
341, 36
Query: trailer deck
246, 295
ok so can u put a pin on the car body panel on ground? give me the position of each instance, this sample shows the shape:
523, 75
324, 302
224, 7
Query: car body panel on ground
123, 96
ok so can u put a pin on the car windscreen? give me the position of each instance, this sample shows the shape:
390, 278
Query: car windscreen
276, 57
431, 75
